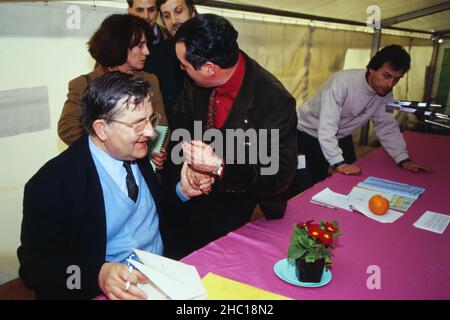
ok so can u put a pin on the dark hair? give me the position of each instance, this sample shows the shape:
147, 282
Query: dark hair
130, 3
119, 32
100, 99
209, 37
189, 4
395, 55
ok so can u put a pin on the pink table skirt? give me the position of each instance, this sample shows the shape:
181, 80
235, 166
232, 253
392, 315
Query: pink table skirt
412, 263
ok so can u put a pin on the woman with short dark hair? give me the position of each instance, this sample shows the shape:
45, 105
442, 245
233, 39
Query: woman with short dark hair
120, 44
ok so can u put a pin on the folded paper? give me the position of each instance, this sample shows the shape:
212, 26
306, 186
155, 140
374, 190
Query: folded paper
169, 279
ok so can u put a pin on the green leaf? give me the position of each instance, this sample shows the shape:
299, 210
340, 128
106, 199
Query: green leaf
296, 252
310, 257
304, 242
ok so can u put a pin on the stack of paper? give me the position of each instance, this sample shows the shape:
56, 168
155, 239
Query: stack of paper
358, 200
331, 199
169, 279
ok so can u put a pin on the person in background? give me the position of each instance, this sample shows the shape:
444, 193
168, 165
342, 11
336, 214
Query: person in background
147, 10
119, 44
348, 100
163, 61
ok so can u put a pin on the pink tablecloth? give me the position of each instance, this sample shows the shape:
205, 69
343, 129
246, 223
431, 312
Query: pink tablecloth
413, 263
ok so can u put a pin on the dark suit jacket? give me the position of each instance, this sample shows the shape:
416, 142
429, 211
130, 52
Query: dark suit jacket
163, 62
262, 103
64, 224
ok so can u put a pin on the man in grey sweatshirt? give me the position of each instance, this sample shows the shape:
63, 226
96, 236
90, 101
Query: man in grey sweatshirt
347, 101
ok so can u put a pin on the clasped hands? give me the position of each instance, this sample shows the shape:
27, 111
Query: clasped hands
199, 168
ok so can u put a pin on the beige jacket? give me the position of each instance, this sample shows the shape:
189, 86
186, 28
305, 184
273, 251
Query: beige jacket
70, 126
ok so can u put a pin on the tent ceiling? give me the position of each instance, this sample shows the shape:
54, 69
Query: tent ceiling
433, 23
350, 10
356, 10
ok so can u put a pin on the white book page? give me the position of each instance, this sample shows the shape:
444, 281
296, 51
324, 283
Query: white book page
359, 201
331, 199
433, 221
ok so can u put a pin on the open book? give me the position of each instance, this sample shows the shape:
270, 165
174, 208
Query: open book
169, 279
330, 199
157, 143
393, 187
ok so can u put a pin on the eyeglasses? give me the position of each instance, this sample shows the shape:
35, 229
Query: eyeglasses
140, 126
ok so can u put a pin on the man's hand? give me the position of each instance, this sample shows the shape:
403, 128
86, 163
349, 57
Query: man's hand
200, 181
193, 183
408, 165
201, 157
159, 158
348, 169
112, 280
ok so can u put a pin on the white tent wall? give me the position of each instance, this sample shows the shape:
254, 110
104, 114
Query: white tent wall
37, 49
304, 57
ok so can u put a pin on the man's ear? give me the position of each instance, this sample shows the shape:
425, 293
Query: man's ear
211, 68
101, 129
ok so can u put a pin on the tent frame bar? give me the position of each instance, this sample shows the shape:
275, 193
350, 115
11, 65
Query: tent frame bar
415, 14
289, 14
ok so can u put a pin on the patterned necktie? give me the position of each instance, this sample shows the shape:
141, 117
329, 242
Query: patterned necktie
132, 187
211, 110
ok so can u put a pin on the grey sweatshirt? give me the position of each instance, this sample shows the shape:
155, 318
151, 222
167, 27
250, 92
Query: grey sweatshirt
343, 104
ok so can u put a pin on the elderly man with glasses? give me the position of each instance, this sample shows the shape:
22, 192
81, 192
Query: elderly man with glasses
85, 210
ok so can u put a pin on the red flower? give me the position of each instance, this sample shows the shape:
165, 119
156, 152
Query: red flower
330, 227
315, 231
304, 224
327, 238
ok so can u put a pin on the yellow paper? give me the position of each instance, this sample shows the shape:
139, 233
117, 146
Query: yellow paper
220, 288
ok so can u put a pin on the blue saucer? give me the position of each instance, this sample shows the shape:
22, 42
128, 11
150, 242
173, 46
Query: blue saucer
285, 270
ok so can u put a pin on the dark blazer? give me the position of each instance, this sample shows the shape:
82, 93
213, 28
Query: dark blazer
64, 224
262, 103
163, 62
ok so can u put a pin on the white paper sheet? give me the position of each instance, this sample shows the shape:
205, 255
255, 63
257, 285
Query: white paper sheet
170, 279
433, 221
358, 200
331, 199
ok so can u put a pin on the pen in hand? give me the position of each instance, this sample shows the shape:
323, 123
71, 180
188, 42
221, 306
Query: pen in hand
130, 269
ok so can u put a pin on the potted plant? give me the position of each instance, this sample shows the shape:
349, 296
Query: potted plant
311, 246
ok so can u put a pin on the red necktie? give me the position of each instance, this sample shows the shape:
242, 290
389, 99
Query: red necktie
211, 110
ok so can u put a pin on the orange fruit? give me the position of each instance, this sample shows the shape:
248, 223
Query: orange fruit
378, 205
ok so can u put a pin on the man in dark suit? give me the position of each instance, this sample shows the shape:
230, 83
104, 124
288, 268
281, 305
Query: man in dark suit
162, 60
147, 10
230, 92
85, 210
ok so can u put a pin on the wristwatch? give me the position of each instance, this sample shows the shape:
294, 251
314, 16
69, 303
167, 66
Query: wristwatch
219, 168
334, 166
